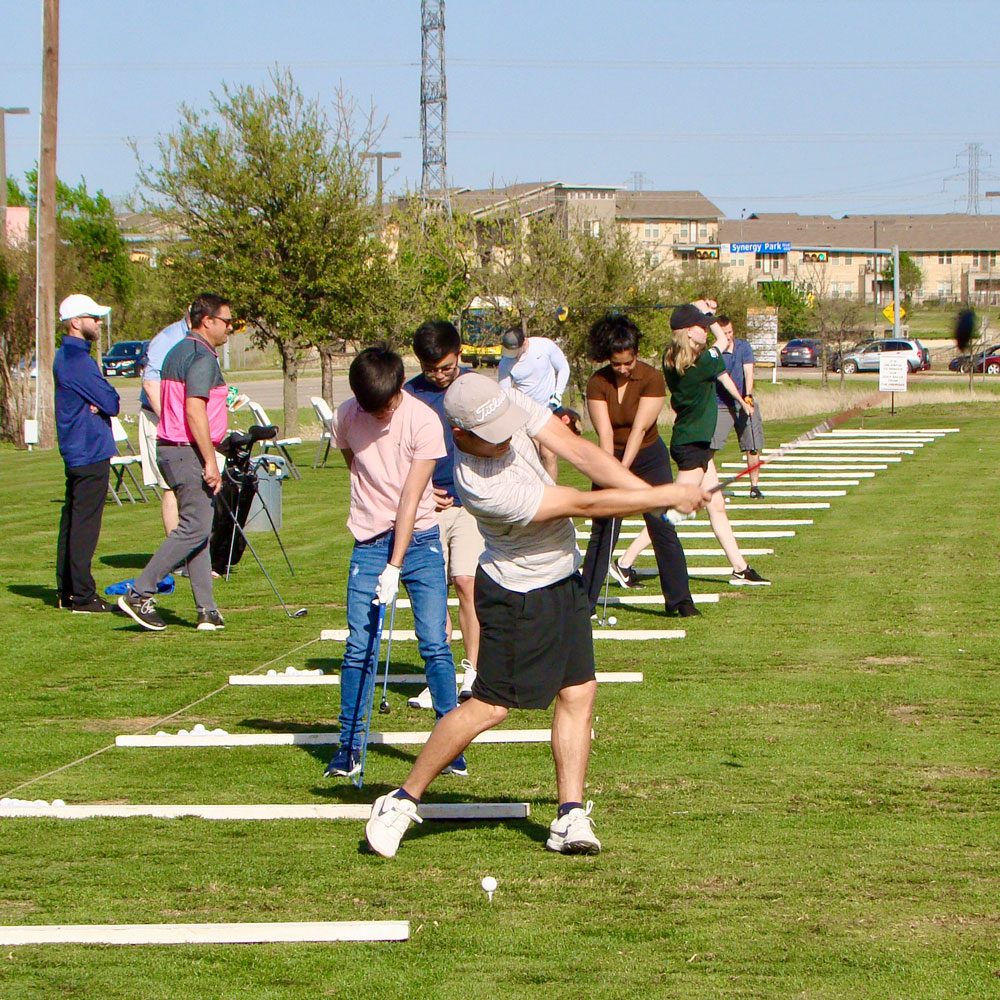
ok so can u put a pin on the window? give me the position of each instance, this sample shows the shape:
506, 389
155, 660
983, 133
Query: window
703, 229
654, 260
848, 289
743, 262
848, 259
835, 258
835, 290
652, 230
944, 256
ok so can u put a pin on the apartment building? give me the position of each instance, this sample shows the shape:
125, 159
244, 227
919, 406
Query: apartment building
956, 253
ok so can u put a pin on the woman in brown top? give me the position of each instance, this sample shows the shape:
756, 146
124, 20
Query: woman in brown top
624, 400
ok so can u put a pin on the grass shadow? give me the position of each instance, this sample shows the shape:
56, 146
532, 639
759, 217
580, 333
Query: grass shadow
34, 592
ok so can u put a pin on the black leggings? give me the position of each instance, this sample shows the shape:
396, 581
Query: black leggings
652, 465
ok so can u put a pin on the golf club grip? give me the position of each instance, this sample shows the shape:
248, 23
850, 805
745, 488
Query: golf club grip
674, 516
820, 428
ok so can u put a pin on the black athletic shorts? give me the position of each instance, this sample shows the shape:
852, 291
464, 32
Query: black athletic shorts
532, 645
696, 455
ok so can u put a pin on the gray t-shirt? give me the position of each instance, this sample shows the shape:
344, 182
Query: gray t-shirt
503, 494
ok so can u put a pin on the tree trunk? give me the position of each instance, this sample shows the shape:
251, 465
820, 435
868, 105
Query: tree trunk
326, 353
290, 390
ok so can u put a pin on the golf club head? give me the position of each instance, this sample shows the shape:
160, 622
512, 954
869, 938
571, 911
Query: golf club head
384, 708
301, 613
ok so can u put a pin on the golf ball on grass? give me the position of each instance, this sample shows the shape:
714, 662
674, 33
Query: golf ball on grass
489, 884
612, 620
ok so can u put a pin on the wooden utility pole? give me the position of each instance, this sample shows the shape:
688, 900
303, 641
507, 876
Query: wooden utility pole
45, 228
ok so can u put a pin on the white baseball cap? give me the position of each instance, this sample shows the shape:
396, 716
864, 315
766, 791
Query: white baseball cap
476, 403
80, 305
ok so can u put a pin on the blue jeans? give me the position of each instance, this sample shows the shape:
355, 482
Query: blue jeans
423, 575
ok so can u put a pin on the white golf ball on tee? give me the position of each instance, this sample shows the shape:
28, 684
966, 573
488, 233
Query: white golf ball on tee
489, 884
612, 620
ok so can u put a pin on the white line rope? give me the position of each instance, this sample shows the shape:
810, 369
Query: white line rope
152, 725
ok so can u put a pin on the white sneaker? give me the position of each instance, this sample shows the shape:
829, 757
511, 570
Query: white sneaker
422, 700
573, 833
390, 819
465, 691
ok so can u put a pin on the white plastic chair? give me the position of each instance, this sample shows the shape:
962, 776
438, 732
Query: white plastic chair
122, 464
282, 444
325, 416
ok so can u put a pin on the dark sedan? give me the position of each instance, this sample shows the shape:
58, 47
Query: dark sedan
801, 352
987, 362
127, 357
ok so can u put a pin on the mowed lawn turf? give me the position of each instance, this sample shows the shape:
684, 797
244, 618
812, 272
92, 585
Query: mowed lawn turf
800, 799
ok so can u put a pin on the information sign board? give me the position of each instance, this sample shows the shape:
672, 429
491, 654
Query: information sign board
762, 332
892, 373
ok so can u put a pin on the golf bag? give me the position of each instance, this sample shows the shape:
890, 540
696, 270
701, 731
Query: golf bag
239, 487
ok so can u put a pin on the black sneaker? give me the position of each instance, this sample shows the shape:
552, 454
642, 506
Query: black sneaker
755, 493
686, 609
95, 606
748, 577
345, 763
209, 620
142, 610
620, 574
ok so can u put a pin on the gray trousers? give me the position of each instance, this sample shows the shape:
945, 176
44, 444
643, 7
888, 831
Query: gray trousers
188, 542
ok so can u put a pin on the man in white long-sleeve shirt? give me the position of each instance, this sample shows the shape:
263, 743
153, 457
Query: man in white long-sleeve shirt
538, 368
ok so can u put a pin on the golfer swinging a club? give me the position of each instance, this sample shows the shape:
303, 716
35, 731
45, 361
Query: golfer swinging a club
536, 643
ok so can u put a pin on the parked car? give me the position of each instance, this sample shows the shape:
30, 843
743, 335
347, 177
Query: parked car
127, 357
802, 352
865, 359
987, 361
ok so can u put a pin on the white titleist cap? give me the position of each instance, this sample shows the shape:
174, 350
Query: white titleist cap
80, 305
476, 403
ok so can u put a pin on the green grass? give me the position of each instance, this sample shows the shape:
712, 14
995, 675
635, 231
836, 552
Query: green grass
800, 800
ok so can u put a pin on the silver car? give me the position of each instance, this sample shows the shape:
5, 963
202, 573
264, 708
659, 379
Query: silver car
865, 359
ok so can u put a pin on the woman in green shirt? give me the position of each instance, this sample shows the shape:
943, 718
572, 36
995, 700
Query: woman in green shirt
691, 368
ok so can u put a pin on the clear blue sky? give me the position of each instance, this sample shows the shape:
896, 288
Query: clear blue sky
839, 106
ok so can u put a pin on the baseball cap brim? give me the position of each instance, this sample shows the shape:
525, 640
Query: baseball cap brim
686, 316
502, 426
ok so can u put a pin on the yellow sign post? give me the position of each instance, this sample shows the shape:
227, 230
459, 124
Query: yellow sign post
889, 313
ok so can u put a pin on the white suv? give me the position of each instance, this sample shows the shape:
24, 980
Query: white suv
865, 359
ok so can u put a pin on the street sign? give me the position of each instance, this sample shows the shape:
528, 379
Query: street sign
887, 312
781, 247
892, 373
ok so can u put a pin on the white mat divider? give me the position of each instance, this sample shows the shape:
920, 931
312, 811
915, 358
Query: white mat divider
792, 483
402, 635
278, 811
320, 680
706, 533
800, 474
772, 492
249, 933
759, 505
707, 553
843, 451
820, 460
657, 599
400, 739
895, 432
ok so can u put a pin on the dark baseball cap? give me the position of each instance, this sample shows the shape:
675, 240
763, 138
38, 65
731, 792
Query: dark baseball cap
510, 342
689, 315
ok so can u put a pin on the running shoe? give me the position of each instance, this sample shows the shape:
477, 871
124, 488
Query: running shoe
574, 833
209, 620
748, 577
623, 575
142, 610
95, 606
390, 819
468, 678
457, 766
755, 493
345, 763
422, 700
686, 609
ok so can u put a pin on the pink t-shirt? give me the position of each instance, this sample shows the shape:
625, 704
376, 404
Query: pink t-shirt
383, 454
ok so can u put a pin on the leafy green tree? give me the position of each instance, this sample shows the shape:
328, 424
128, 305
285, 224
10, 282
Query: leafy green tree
911, 278
794, 316
270, 197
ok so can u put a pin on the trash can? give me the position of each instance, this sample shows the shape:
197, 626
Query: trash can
271, 471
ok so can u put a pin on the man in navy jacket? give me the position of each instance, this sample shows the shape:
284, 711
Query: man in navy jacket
85, 404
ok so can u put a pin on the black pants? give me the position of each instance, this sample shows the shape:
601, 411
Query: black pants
652, 465
79, 529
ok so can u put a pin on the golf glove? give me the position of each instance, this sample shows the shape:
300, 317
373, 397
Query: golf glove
748, 399
388, 584
555, 401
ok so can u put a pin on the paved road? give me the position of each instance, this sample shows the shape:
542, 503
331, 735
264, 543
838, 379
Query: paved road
268, 391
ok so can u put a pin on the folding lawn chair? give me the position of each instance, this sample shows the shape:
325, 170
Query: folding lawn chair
282, 444
325, 416
121, 465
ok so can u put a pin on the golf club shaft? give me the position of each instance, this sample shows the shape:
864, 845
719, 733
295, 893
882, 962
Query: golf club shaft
371, 671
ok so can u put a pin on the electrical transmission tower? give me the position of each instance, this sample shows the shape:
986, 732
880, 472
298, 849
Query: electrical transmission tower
972, 151
433, 105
